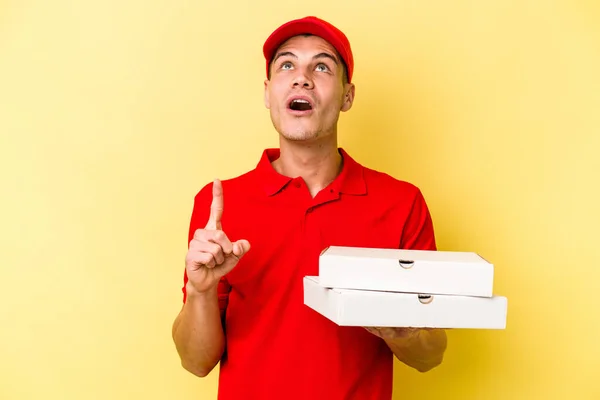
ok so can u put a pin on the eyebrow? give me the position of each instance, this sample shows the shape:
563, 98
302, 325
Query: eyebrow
320, 55
326, 55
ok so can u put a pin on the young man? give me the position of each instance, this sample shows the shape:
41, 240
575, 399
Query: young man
253, 238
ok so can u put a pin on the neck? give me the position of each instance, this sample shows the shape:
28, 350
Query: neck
317, 163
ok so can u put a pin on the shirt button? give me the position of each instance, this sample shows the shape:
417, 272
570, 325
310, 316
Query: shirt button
297, 184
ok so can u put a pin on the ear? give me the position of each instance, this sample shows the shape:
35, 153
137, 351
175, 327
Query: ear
348, 99
267, 99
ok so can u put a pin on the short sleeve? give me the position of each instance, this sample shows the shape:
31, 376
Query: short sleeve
198, 220
418, 233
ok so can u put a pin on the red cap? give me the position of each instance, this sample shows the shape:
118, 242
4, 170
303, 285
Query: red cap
314, 26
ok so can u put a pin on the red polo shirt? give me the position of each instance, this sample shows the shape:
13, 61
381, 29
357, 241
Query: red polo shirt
276, 347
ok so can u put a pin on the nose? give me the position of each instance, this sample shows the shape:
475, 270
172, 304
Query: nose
302, 79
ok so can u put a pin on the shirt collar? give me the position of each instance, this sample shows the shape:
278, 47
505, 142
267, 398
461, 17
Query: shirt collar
351, 179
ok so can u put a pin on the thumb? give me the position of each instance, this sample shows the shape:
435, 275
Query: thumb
240, 248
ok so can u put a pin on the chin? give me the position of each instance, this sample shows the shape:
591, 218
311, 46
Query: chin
295, 132
299, 135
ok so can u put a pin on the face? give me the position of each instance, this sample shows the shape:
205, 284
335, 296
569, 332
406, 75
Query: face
306, 91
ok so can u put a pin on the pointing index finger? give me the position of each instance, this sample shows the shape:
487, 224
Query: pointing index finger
216, 207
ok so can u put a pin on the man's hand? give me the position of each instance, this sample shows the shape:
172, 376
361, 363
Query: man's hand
420, 348
211, 254
387, 333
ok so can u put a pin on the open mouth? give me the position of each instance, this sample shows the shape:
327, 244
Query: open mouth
300, 105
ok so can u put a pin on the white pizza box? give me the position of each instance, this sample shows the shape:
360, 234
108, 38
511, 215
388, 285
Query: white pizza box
349, 307
412, 271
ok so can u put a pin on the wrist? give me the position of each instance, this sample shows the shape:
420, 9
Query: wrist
195, 294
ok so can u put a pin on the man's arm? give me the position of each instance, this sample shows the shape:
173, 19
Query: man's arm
198, 332
421, 349
198, 328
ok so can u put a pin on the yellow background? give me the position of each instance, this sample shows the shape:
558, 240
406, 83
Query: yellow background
114, 113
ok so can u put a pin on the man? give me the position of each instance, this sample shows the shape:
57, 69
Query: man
253, 238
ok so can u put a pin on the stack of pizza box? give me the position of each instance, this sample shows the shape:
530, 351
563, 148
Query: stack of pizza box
405, 288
